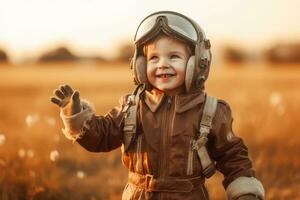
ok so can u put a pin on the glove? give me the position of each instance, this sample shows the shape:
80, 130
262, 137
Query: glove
67, 100
248, 197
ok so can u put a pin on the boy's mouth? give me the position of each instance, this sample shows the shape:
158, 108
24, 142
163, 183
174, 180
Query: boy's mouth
165, 75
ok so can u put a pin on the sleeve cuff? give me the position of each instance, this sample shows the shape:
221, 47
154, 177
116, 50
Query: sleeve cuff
245, 185
74, 123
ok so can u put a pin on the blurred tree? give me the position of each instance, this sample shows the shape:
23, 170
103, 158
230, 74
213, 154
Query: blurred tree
3, 56
125, 52
59, 54
283, 53
234, 55
92, 58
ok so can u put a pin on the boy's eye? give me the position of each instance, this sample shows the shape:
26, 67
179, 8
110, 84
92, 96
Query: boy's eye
174, 56
152, 58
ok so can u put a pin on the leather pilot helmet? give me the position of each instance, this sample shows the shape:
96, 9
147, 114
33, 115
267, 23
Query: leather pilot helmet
177, 26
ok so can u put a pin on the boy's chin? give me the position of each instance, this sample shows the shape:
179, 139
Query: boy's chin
171, 91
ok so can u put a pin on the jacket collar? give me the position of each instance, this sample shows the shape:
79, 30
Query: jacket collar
183, 102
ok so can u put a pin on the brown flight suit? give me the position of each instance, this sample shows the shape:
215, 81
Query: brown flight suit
161, 161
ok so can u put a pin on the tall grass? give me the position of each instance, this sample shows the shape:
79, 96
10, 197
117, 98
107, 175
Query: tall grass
37, 162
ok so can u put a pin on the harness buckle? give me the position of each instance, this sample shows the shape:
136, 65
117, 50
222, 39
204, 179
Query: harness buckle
129, 128
148, 182
199, 143
204, 130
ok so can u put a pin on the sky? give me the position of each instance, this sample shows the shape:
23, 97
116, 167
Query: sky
96, 26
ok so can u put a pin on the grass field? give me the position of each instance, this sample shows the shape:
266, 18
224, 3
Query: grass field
37, 162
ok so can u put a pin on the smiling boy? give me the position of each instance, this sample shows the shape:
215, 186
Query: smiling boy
172, 134
166, 64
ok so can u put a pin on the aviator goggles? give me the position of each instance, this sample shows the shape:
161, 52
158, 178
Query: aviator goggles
169, 21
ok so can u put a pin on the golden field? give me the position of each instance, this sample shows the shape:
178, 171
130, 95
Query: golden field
37, 162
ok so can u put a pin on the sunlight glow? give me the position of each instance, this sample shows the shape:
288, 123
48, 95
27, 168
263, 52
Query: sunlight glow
27, 27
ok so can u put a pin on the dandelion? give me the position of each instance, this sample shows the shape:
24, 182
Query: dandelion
22, 153
2, 139
32, 119
275, 99
30, 153
276, 102
80, 174
54, 155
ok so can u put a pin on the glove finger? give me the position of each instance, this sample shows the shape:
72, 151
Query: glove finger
76, 107
75, 98
69, 89
59, 94
62, 88
56, 101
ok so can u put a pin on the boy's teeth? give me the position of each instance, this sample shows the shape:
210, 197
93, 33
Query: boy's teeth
165, 75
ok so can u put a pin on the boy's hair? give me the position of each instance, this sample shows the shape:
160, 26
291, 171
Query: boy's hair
190, 48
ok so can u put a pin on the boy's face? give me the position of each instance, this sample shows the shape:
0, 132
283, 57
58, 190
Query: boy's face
166, 64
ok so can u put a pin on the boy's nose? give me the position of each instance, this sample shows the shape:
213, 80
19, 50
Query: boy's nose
163, 64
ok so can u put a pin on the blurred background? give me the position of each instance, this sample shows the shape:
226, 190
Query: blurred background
88, 44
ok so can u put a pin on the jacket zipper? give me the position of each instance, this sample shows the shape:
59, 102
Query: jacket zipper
189, 170
167, 134
164, 134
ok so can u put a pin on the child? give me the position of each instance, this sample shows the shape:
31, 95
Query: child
173, 135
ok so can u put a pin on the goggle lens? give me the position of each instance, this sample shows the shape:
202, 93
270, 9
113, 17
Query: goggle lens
177, 23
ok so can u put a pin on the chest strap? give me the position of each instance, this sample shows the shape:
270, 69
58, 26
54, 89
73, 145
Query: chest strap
130, 121
199, 145
151, 184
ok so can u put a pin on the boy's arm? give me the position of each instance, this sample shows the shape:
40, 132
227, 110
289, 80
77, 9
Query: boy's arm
231, 156
94, 133
102, 133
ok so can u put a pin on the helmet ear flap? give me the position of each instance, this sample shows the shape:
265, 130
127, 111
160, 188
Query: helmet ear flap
140, 71
189, 73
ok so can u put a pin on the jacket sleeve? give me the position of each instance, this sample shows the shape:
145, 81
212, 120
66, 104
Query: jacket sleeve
231, 156
96, 133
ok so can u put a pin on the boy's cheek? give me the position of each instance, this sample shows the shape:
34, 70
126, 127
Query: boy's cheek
150, 78
149, 72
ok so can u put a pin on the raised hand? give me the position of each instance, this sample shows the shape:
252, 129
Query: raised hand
67, 100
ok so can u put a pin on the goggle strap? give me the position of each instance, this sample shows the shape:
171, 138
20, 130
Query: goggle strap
197, 53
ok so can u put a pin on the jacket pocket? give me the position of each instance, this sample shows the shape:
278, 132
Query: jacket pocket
190, 159
181, 153
182, 137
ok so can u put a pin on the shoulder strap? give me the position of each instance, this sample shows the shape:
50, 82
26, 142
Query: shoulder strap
130, 123
208, 114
